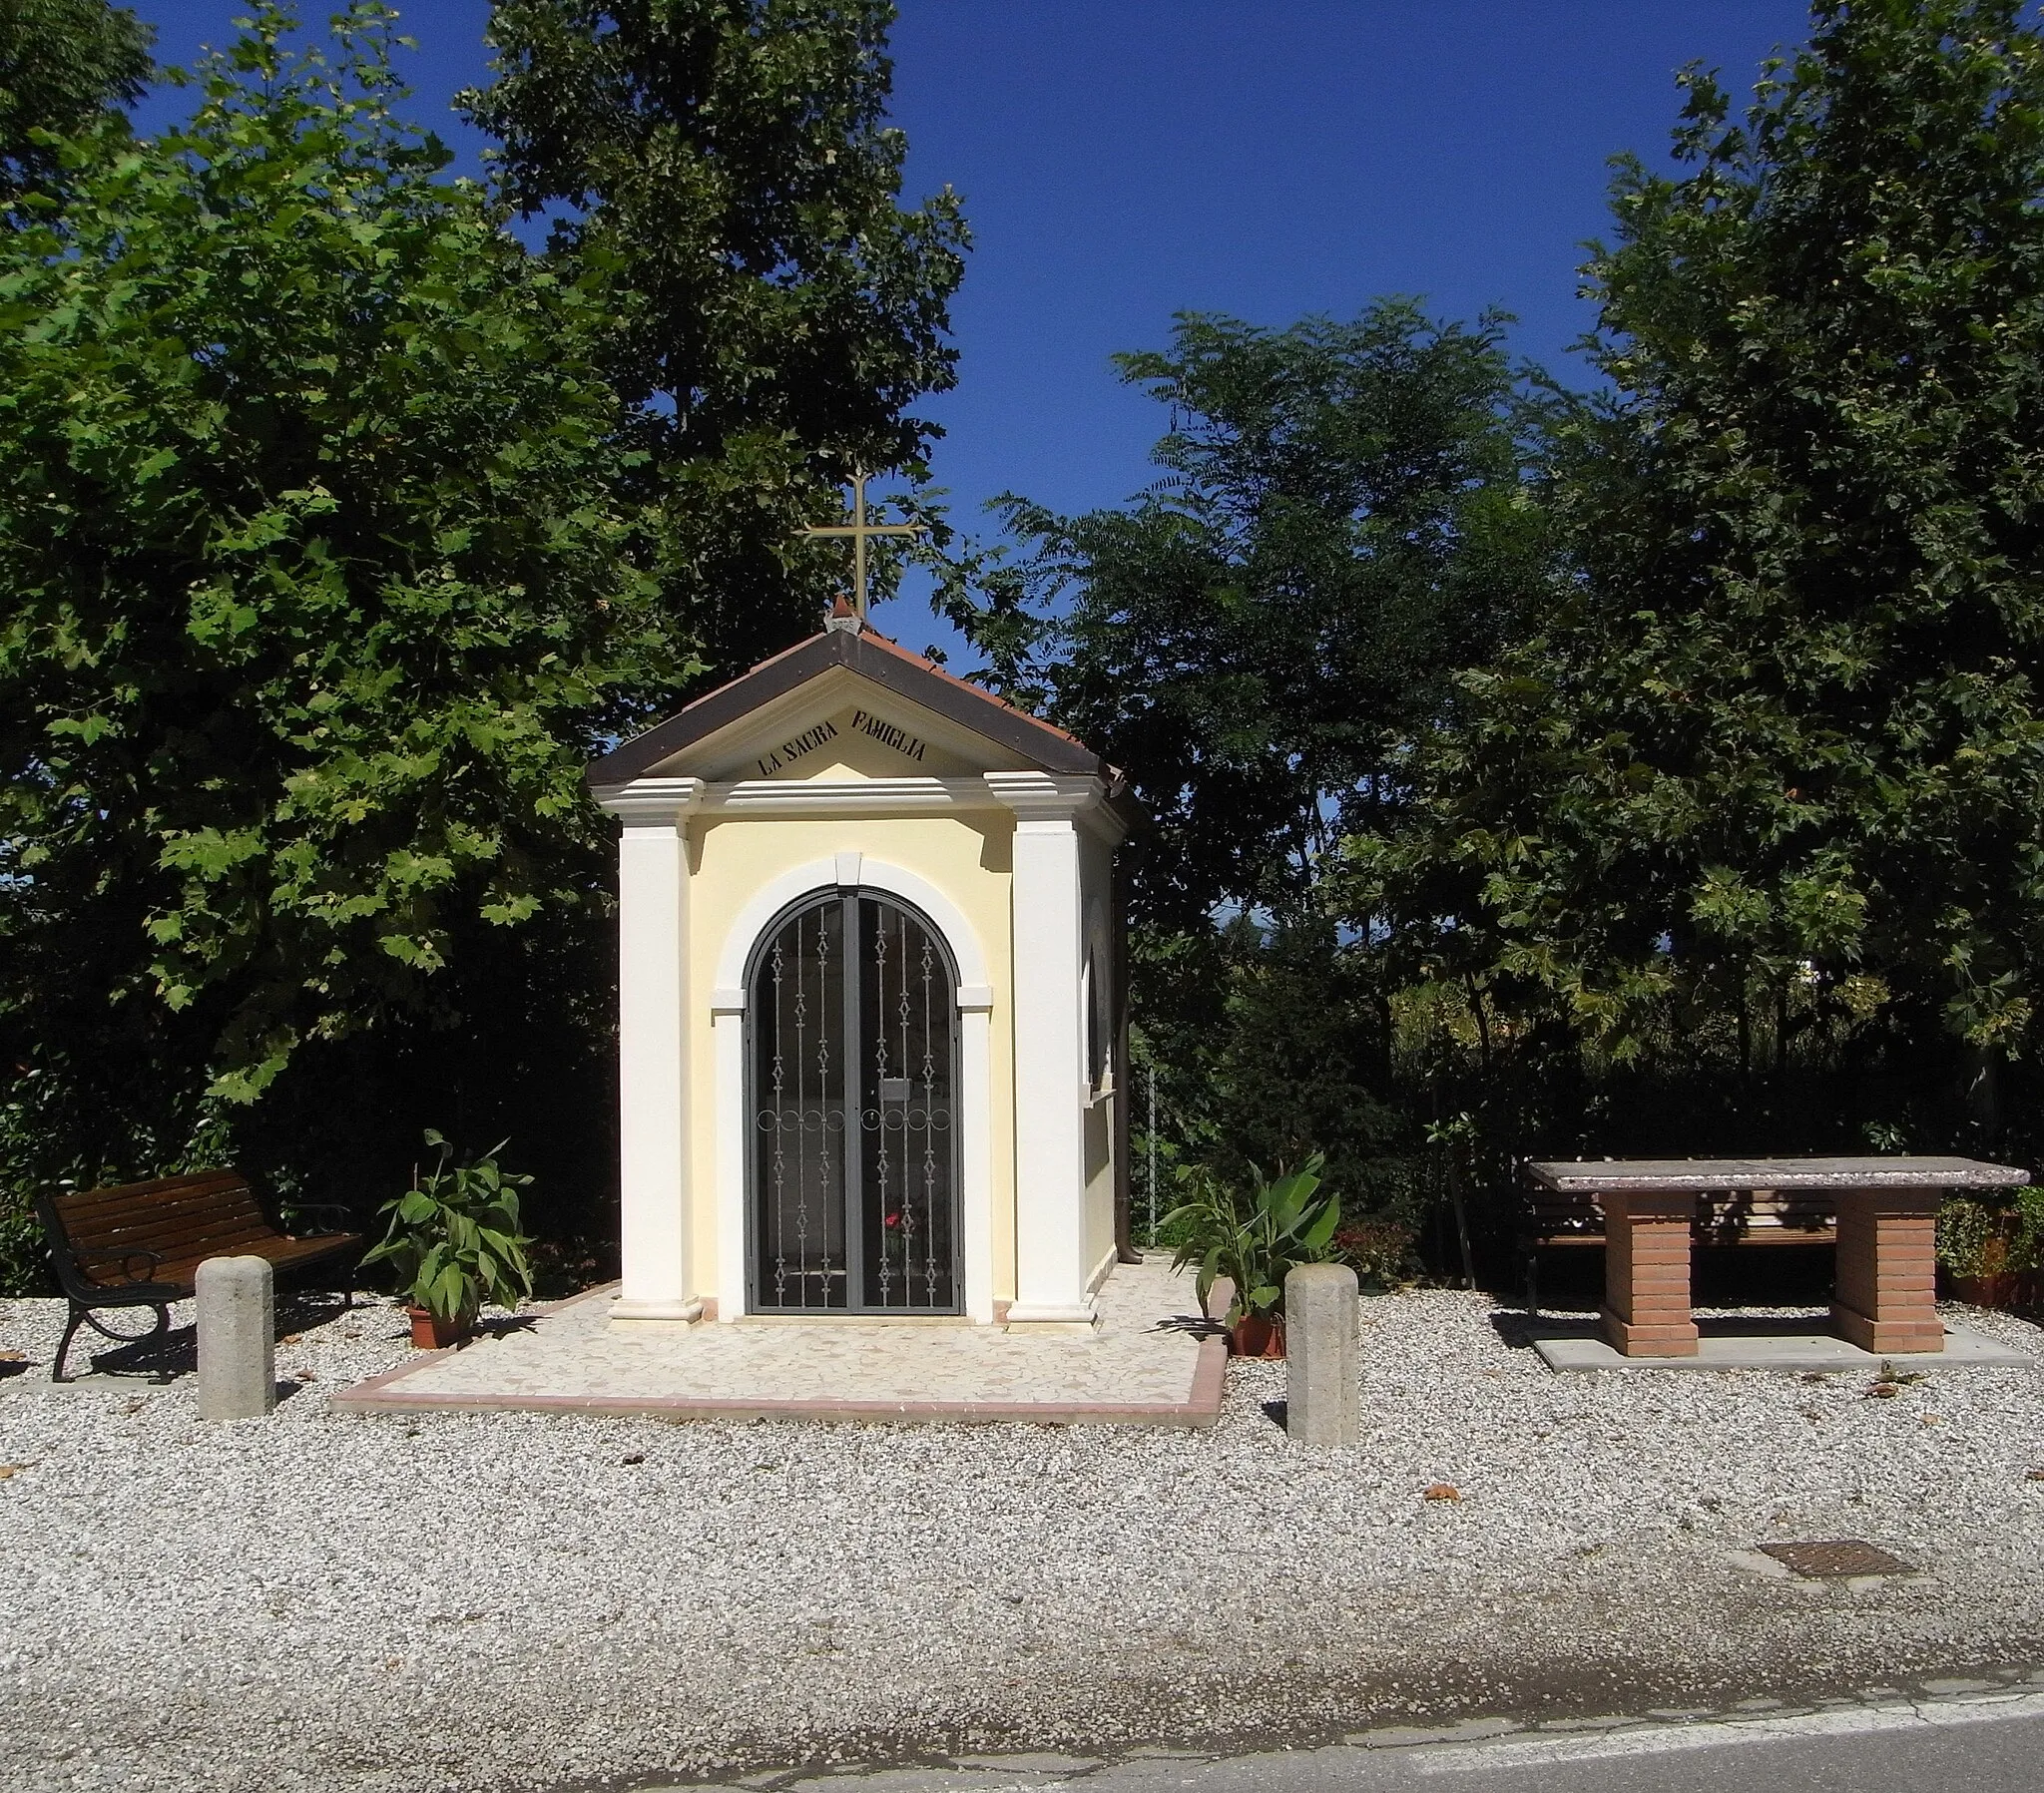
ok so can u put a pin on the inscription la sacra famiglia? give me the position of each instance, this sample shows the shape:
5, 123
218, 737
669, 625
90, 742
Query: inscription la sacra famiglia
792, 750
862, 722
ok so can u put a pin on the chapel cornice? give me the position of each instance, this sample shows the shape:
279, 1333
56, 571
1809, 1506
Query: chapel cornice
1045, 798
651, 803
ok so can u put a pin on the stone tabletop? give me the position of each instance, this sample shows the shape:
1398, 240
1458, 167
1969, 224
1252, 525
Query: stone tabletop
1894, 1172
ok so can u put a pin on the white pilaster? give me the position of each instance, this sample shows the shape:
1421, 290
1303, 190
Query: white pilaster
652, 1054
727, 1044
1050, 1072
976, 1146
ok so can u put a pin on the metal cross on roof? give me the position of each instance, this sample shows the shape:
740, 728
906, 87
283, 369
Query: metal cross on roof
860, 532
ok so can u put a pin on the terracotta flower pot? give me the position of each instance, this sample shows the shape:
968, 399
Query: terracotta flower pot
431, 1333
1257, 1335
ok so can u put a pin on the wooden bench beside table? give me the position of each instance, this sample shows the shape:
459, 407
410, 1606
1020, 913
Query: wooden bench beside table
1573, 1221
1885, 1233
141, 1244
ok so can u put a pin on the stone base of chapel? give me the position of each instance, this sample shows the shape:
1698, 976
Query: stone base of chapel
1081, 1317
661, 1315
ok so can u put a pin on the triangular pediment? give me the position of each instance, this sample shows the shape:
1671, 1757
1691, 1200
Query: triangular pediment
843, 705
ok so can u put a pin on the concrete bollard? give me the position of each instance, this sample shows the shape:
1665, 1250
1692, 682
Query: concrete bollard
1322, 1358
237, 1338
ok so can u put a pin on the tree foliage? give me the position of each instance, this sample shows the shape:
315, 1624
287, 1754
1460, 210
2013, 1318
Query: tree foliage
63, 64
320, 591
724, 166
338, 527
1786, 734
1259, 636
1340, 524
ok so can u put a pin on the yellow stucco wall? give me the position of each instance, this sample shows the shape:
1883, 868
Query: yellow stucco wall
732, 857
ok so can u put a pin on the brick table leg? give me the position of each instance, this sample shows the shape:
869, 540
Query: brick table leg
1646, 1273
1886, 1297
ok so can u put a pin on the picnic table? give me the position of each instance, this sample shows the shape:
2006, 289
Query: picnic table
1885, 1293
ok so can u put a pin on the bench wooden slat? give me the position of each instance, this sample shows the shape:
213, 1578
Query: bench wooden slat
157, 1188
193, 1223
175, 1241
218, 1241
151, 1185
284, 1255
152, 1230
88, 1210
141, 1244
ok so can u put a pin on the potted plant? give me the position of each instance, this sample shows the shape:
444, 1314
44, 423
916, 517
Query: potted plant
1993, 1253
454, 1239
1252, 1238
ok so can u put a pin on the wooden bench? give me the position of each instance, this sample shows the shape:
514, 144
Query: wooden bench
140, 1244
1573, 1219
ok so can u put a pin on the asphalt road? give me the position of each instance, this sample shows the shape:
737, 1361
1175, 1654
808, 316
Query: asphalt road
1987, 1745
1941, 1749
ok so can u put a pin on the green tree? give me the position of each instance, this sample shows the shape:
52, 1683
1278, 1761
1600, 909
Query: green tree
317, 594
725, 166
1258, 639
1778, 757
1259, 636
63, 63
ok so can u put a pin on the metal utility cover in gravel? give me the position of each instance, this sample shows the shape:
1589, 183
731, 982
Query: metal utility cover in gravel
1837, 1557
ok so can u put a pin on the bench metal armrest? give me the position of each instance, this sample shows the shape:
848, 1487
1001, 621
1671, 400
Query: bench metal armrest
328, 1217
127, 1261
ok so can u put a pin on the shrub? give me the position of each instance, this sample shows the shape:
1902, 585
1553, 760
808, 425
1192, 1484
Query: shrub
1982, 1239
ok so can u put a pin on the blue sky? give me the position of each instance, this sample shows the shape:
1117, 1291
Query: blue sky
1123, 159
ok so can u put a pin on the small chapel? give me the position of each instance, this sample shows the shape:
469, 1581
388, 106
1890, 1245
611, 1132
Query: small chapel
872, 1035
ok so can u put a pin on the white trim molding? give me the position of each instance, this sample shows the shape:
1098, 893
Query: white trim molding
1043, 794
850, 797
976, 1068
876, 874
653, 803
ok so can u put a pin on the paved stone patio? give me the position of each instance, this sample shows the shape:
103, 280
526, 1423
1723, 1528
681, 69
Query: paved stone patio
1152, 1361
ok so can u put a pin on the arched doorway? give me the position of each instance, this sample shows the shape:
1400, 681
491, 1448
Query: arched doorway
853, 1072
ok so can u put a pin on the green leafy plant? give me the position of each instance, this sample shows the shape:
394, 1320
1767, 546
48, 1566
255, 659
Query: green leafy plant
1979, 1238
1254, 1237
454, 1237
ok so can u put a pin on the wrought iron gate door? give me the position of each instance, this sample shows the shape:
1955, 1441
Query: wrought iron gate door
853, 1070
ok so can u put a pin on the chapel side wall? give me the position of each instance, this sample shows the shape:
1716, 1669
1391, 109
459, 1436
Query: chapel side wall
968, 858
1096, 899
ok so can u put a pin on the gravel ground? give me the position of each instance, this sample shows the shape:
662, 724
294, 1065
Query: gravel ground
325, 1600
